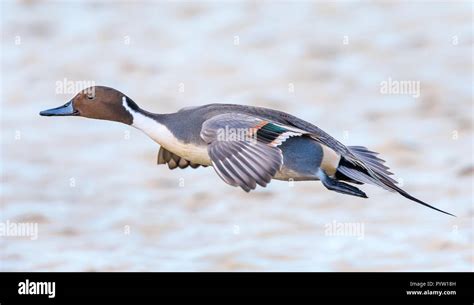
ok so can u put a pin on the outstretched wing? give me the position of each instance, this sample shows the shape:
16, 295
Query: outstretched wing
244, 149
173, 160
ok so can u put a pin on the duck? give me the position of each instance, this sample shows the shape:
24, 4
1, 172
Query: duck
247, 146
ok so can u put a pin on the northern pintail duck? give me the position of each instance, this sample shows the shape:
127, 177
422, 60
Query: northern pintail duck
247, 146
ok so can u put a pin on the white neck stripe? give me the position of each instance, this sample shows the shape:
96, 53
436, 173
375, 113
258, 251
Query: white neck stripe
146, 124
163, 136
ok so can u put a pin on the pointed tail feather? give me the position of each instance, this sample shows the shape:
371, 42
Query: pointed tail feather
375, 173
406, 195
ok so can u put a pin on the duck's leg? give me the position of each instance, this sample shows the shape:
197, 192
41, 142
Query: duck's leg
337, 186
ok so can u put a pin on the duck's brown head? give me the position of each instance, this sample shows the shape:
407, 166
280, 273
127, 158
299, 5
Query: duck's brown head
96, 102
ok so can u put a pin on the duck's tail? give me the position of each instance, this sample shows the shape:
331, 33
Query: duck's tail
374, 172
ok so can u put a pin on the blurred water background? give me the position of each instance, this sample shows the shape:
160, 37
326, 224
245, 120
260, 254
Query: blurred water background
101, 203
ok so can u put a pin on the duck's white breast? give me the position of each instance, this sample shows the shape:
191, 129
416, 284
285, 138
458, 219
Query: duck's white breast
163, 136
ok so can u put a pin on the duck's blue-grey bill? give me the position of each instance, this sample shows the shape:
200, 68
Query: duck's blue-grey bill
66, 109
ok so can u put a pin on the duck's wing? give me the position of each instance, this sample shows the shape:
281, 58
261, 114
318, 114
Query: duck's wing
244, 148
173, 160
